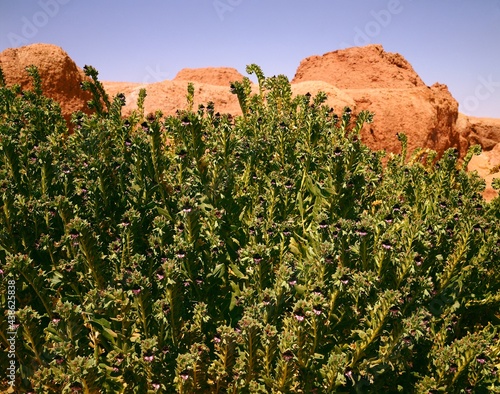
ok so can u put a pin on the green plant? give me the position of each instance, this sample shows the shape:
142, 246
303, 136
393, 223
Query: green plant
267, 253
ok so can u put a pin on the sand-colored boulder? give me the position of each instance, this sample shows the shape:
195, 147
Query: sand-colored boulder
61, 77
218, 76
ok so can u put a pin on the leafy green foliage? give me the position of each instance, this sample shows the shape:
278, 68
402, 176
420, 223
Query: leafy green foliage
268, 253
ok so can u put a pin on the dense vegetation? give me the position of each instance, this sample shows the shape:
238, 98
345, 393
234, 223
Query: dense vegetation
267, 253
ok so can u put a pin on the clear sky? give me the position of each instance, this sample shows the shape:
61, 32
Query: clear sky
455, 42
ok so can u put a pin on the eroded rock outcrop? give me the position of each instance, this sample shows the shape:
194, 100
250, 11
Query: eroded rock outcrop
170, 96
218, 76
386, 84
61, 77
368, 67
362, 78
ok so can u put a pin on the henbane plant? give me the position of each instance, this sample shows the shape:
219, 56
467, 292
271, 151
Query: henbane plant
271, 252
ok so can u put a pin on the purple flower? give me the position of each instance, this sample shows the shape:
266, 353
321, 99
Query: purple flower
76, 387
56, 318
481, 359
323, 224
394, 310
317, 309
362, 232
181, 254
149, 356
185, 375
299, 315
74, 234
155, 385
257, 258
160, 273
288, 355
136, 290
386, 245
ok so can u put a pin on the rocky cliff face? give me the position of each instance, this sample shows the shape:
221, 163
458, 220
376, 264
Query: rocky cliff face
360, 78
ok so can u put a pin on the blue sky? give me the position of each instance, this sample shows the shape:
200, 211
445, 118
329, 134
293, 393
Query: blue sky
455, 42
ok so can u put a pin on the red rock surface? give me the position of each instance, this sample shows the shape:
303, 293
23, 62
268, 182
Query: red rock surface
426, 115
359, 68
360, 78
61, 77
218, 76
337, 99
484, 131
386, 84
169, 96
